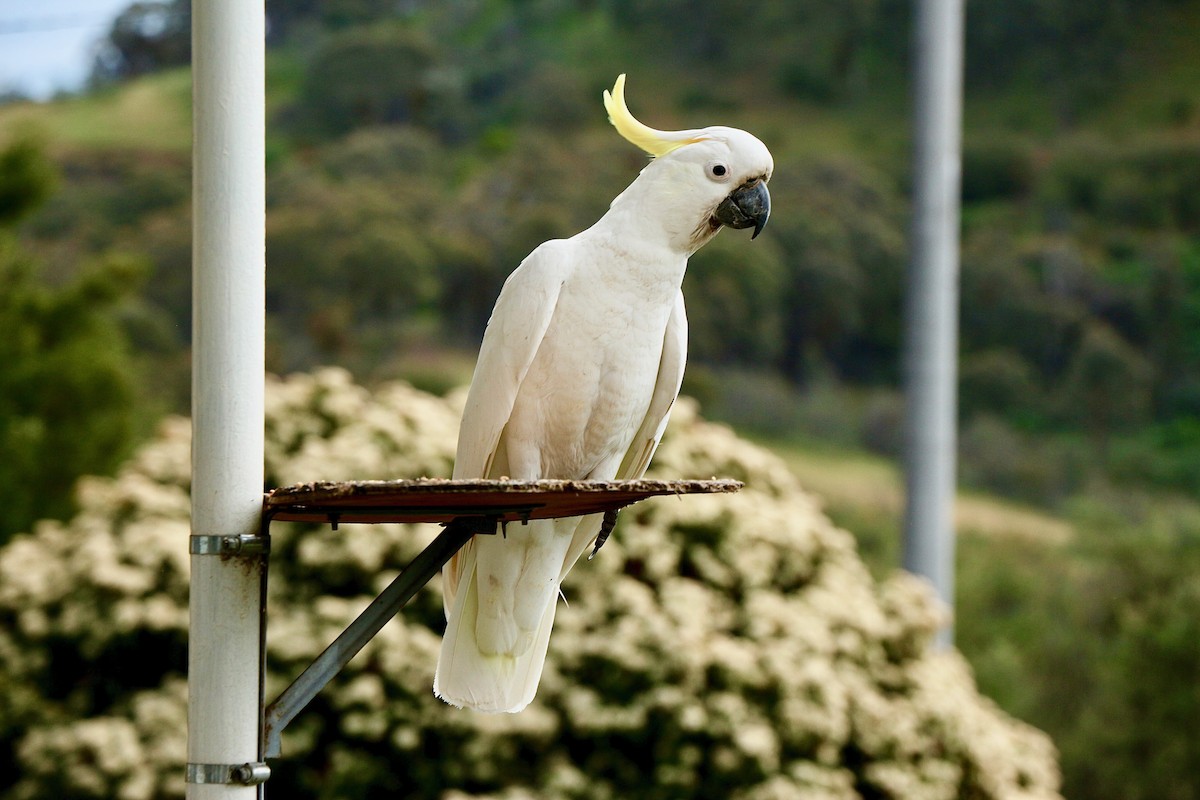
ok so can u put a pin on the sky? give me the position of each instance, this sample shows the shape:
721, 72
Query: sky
48, 45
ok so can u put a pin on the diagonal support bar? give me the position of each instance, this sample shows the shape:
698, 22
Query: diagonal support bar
327, 665
466, 507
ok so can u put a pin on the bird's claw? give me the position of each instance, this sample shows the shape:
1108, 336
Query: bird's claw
606, 527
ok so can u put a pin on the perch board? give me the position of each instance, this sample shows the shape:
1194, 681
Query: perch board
442, 500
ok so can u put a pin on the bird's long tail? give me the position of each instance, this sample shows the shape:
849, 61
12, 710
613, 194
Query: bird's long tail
502, 593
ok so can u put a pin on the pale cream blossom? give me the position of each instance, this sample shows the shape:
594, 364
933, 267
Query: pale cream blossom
717, 646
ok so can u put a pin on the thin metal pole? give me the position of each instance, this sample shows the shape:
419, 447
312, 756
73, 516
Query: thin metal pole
227, 388
931, 319
313, 679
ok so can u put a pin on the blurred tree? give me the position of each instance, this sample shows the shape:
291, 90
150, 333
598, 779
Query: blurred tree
385, 73
343, 258
1173, 309
26, 179
733, 311
1107, 386
144, 38
66, 382
1074, 52
994, 167
733, 307
284, 17
1133, 614
1150, 686
996, 456
843, 240
814, 51
998, 381
1005, 305
66, 385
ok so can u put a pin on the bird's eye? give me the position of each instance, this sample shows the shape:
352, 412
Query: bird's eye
717, 171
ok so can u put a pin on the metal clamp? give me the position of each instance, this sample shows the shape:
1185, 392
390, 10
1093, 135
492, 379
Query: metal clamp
228, 546
248, 774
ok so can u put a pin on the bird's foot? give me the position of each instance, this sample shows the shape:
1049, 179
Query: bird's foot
606, 527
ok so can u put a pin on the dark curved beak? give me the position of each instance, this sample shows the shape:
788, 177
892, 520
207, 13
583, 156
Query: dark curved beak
747, 206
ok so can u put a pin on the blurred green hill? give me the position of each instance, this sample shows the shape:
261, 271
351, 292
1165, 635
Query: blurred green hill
416, 152
415, 157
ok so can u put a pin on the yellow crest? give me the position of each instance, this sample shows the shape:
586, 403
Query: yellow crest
653, 141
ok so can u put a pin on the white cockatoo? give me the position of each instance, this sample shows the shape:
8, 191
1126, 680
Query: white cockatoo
581, 361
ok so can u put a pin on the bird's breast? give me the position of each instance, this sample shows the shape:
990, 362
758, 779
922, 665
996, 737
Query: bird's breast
590, 384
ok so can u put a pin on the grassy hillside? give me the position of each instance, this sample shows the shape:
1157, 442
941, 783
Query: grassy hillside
864, 493
151, 114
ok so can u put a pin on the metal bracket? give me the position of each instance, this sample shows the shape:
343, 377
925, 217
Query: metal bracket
337, 655
229, 546
248, 774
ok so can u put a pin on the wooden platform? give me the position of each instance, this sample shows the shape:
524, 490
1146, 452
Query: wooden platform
441, 500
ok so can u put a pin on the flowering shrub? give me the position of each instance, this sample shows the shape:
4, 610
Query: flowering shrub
717, 647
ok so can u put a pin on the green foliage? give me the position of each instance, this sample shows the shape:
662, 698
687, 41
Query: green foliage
1164, 456
998, 381
1023, 304
146, 37
996, 168
999, 457
841, 230
385, 73
1149, 683
1107, 385
1096, 641
1073, 52
733, 302
287, 16
66, 385
718, 646
66, 379
110, 193
810, 51
26, 179
344, 244
1146, 185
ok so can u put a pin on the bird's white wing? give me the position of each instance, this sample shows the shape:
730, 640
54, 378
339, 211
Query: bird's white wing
645, 442
666, 389
515, 331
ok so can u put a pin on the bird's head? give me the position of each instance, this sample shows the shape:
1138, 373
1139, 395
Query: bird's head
704, 178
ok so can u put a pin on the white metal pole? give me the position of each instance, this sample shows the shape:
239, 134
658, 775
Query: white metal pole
931, 335
227, 389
